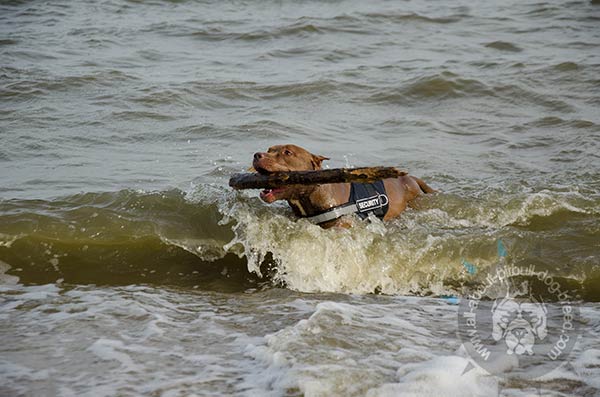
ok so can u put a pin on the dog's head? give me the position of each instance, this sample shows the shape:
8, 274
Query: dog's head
518, 323
284, 158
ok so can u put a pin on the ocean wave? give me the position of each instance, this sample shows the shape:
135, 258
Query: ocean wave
212, 235
554, 121
393, 329
225, 31
249, 90
304, 27
115, 238
28, 84
414, 17
503, 46
398, 257
355, 23
434, 87
526, 94
136, 115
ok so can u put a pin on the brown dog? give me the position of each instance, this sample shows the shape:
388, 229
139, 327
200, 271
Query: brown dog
323, 203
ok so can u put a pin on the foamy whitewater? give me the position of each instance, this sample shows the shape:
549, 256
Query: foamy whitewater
271, 342
129, 267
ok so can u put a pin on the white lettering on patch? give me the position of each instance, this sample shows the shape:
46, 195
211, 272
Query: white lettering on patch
370, 203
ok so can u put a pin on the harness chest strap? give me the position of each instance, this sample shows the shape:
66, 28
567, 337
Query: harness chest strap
358, 204
334, 213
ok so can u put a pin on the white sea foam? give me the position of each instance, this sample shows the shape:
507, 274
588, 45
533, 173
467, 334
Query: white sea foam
421, 252
7, 278
362, 259
112, 350
439, 376
349, 349
146, 341
7, 240
587, 366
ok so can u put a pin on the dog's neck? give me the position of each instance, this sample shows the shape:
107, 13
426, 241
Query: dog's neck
318, 199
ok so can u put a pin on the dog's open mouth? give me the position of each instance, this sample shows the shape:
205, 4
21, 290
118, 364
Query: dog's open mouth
270, 195
262, 171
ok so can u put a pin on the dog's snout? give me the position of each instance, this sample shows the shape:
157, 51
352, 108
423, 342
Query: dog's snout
258, 156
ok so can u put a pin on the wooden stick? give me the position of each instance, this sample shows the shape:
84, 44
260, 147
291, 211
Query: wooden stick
336, 175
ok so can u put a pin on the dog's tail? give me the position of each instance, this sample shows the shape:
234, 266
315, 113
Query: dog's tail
424, 187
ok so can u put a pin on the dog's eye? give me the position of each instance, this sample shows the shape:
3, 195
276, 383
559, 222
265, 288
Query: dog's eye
288, 152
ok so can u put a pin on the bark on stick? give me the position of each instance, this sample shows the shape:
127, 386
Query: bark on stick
336, 175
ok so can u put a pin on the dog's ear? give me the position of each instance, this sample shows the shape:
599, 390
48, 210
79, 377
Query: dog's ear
317, 160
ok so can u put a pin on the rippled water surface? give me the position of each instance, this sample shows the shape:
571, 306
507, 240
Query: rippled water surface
129, 267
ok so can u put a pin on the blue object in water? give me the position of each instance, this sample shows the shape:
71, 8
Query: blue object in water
453, 300
501, 249
471, 268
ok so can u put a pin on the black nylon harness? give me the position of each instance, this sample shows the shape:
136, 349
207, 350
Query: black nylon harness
365, 198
